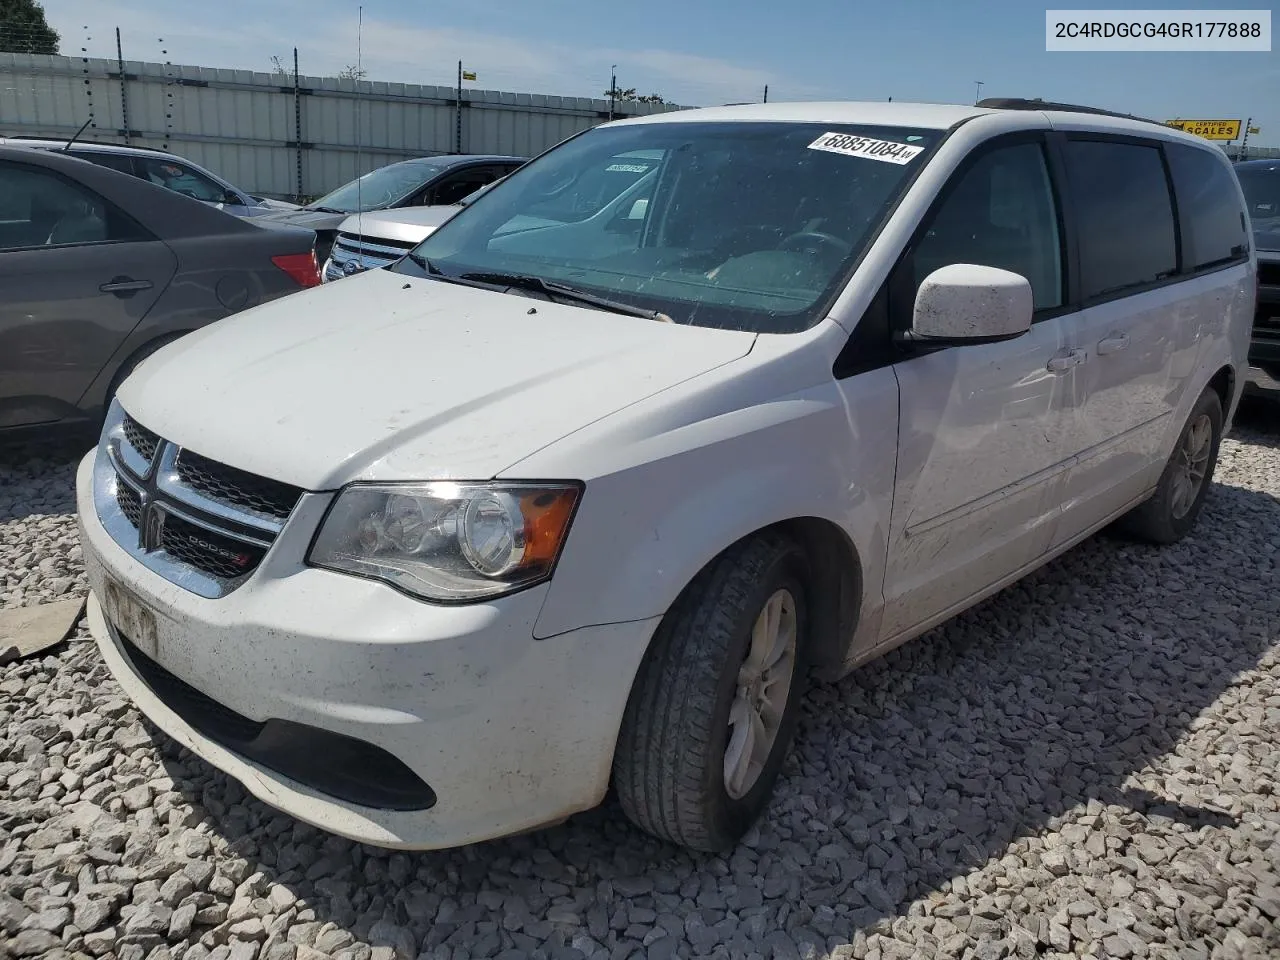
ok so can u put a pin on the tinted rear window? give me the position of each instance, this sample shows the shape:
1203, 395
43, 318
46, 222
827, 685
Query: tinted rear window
1209, 206
1127, 235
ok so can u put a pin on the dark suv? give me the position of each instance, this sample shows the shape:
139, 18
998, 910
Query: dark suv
1260, 180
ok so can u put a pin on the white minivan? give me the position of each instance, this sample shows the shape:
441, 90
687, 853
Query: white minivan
580, 494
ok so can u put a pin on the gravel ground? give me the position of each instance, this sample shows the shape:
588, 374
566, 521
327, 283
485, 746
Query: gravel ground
1085, 765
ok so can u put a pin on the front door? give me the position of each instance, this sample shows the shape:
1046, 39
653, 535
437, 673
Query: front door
988, 431
76, 276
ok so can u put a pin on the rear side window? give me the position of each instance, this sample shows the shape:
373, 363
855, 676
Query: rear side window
1213, 222
39, 208
1125, 215
114, 161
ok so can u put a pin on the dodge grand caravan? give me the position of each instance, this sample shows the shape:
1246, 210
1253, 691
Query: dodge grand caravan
438, 553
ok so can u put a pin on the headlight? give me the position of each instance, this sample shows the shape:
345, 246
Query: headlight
447, 542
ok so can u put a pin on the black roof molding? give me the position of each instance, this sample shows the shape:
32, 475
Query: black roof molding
1016, 103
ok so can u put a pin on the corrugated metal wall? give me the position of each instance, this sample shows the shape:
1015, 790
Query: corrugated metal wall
243, 125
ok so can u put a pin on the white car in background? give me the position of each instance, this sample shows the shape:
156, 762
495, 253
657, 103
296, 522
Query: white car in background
367, 241
580, 490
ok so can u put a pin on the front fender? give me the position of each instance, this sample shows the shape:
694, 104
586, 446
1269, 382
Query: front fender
648, 526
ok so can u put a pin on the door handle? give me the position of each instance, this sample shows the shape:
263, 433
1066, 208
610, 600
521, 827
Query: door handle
1113, 344
119, 285
1064, 362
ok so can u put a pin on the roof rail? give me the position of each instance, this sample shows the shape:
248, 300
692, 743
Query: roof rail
85, 143
1017, 103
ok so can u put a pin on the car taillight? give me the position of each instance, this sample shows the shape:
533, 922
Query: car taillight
301, 266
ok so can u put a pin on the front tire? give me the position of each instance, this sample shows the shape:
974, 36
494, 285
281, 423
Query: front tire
715, 704
1171, 512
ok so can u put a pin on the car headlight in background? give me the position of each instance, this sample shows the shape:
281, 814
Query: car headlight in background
448, 542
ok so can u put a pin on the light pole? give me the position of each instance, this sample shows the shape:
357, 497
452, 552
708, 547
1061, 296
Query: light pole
978, 96
613, 87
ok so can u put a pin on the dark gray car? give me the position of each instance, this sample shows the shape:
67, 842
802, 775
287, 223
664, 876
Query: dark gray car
99, 269
421, 182
1260, 180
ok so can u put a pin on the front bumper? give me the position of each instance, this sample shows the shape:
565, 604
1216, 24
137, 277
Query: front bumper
509, 732
1261, 382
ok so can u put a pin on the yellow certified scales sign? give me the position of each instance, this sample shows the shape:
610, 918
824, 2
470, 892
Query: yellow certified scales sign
1209, 129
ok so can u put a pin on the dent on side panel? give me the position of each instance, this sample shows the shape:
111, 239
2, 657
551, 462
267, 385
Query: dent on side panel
646, 527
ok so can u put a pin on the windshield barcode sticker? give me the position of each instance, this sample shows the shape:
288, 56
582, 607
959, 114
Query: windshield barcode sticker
851, 146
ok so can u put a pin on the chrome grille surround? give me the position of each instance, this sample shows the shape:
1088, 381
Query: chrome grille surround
355, 254
190, 536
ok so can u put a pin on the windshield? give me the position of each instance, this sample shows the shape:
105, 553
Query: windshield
1261, 186
747, 226
379, 188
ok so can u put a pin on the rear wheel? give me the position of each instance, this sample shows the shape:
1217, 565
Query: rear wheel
1172, 510
716, 702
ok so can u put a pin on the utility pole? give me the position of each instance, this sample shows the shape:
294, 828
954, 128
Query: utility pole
1244, 142
457, 143
124, 92
978, 97
613, 87
297, 124
766, 93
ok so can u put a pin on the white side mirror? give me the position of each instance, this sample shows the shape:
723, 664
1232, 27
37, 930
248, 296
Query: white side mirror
967, 302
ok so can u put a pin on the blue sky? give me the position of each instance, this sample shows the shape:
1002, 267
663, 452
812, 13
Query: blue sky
707, 52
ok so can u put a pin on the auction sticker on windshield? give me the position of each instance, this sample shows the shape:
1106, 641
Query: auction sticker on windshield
851, 146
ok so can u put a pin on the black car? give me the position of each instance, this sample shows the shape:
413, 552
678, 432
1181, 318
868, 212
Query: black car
421, 182
1260, 180
99, 269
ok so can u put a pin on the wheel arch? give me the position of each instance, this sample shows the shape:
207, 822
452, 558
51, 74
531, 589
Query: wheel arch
834, 590
1223, 382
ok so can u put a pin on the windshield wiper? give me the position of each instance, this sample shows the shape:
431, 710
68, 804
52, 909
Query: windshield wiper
553, 289
326, 210
434, 272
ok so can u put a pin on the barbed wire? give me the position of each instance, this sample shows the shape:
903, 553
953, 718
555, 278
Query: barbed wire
577, 84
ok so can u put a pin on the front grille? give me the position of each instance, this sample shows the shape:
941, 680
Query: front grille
130, 505
214, 554
1269, 274
377, 246
369, 253
140, 438
217, 481
201, 524
340, 766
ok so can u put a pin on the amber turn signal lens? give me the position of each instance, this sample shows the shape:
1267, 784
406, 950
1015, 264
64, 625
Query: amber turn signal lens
546, 519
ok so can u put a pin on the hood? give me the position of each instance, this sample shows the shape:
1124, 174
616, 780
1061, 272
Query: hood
311, 219
407, 224
389, 377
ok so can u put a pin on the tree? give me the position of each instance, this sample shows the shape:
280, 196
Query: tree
278, 69
23, 28
629, 96
352, 72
